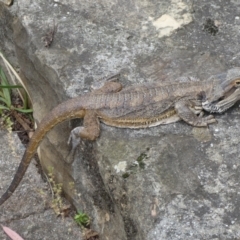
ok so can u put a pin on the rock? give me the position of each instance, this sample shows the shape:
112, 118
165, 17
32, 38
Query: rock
160, 183
28, 212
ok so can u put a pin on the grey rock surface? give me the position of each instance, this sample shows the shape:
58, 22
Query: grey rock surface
169, 182
28, 211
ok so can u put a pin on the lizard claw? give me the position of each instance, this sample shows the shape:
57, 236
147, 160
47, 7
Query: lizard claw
210, 119
75, 140
205, 121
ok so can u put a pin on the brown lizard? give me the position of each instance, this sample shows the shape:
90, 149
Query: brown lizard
137, 106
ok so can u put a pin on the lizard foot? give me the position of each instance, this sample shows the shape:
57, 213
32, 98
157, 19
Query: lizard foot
204, 121
75, 140
74, 137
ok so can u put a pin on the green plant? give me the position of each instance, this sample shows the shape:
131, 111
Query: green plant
5, 96
7, 109
82, 219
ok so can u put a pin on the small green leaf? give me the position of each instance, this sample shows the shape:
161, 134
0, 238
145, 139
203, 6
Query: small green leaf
82, 219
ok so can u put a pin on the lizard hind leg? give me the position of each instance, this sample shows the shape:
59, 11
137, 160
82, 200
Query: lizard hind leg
89, 131
91, 126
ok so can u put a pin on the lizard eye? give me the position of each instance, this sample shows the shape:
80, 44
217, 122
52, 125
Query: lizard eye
237, 83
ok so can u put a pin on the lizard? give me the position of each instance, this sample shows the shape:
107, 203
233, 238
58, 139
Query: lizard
137, 106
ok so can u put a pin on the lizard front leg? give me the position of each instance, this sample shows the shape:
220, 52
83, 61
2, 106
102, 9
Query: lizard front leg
185, 110
109, 86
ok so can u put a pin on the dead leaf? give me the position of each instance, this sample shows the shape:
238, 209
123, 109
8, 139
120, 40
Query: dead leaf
13, 235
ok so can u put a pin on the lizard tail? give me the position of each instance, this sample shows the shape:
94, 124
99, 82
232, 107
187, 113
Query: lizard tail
57, 115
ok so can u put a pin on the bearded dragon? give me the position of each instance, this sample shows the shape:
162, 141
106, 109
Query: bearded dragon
136, 106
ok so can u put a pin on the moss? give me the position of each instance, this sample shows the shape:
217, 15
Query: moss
141, 158
126, 175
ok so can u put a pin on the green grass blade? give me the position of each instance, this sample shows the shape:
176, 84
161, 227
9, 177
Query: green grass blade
4, 108
3, 100
6, 92
25, 100
24, 110
10, 86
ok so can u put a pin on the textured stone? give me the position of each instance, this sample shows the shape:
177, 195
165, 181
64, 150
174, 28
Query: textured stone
168, 182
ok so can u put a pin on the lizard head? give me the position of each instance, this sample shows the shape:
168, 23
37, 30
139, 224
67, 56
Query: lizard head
225, 91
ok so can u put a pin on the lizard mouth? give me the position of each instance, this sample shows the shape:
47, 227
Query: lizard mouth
223, 103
